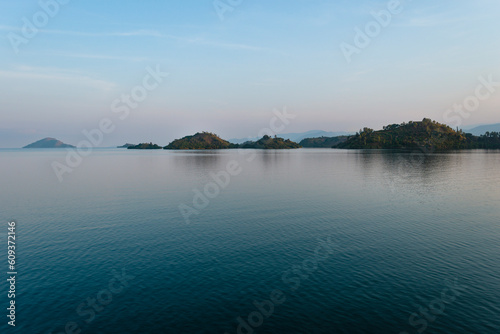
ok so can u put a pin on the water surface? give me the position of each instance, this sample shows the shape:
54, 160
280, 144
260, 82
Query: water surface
402, 227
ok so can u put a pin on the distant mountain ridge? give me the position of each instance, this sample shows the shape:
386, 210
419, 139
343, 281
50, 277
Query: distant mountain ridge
49, 143
297, 136
482, 129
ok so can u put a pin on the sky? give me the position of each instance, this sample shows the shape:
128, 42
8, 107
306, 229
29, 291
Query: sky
228, 66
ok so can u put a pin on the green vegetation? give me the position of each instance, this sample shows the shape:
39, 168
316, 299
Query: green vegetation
269, 143
323, 141
425, 134
145, 146
490, 140
200, 141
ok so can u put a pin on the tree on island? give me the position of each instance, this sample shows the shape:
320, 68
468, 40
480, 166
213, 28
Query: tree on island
322, 142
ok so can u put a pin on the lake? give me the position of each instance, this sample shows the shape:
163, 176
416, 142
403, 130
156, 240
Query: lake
292, 241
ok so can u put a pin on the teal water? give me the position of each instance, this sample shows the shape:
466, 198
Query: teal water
355, 242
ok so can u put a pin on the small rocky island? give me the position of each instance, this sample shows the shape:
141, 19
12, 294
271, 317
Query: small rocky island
49, 143
127, 145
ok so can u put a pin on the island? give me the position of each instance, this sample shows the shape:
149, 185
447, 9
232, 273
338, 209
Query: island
424, 134
200, 141
322, 142
210, 141
270, 143
127, 145
49, 143
145, 146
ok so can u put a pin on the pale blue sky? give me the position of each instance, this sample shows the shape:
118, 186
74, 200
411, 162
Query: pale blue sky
227, 76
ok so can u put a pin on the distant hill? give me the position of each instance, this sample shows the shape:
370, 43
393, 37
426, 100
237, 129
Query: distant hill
200, 141
270, 143
407, 135
127, 145
323, 142
481, 130
145, 146
48, 143
296, 137
424, 134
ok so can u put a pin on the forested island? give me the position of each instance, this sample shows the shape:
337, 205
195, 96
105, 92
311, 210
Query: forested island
427, 133
210, 141
270, 143
145, 146
422, 134
200, 141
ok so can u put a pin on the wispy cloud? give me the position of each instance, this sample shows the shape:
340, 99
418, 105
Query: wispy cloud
143, 33
437, 15
135, 33
233, 46
431, 21
96, 56
72, 77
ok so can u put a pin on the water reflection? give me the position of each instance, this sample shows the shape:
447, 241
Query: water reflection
272, 159
407, 169
197, 160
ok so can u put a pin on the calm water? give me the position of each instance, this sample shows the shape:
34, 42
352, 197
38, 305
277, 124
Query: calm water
356, 242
